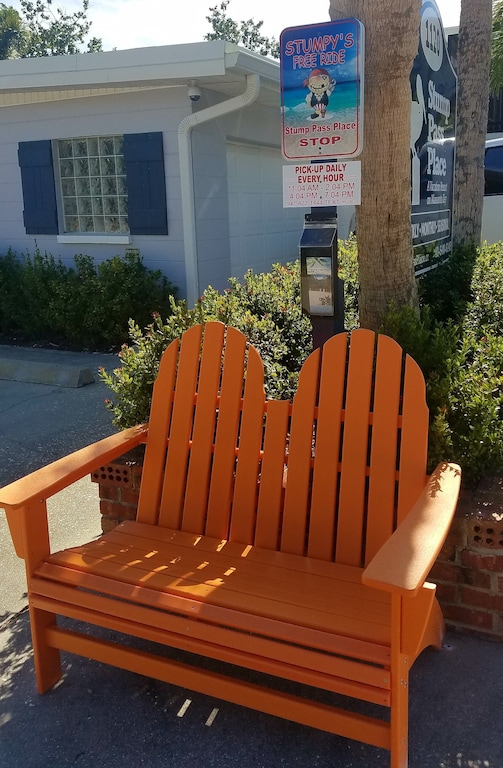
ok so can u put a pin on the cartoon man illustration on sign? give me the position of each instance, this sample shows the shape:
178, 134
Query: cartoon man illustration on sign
320, 86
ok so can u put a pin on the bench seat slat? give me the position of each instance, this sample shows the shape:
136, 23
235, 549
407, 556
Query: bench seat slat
183, 567
254, 561
322, 603
307, 666
286, 560
207, 594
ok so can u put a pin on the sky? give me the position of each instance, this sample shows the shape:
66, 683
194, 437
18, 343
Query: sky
126, 24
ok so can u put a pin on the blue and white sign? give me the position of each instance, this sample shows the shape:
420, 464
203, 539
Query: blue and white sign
432, 143
322, 90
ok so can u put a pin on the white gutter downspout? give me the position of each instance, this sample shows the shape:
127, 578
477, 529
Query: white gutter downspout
187, 179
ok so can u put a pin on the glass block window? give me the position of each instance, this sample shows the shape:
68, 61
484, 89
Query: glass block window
93, 184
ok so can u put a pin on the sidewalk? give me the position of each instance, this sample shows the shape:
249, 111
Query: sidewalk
103, 716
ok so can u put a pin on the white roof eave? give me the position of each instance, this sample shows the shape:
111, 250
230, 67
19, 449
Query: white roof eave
170, 65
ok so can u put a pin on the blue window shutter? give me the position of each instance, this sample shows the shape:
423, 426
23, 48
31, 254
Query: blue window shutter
146, 183
39, 193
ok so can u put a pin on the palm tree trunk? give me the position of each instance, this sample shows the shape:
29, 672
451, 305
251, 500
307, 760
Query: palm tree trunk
474, 60
383, 220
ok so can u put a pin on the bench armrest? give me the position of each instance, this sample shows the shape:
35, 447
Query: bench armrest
404, 561
45, 482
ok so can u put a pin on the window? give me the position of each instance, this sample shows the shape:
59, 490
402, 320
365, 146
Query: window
494, 171
93, 184
108, 185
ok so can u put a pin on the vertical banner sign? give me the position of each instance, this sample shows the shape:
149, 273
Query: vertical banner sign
432, 143
322, 90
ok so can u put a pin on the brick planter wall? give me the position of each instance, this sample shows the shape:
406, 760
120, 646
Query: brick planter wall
119, 488
468, 571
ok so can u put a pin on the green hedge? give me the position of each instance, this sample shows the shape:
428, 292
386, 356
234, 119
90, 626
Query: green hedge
86, 306
457, 340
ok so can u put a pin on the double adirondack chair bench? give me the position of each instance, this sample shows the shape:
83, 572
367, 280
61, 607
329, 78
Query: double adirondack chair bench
291, 539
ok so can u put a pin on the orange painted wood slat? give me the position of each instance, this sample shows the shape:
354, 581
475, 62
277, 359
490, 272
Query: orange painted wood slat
375, 652
304, 665
187, 570
300, 451
175, 475
250, 695
297, 563
226, 438
271, 492
323, 517
195, 503
414, 439
384, 446
244, 503
352, 497
364, 620
155, 452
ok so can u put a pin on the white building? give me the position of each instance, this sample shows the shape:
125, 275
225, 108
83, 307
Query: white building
173, 151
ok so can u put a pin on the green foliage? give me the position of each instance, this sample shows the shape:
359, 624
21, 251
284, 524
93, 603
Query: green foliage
46, 30
348, 272
496, 76
265, 307
485, 312
12, 32
462, 360
87, 306
244, 33
457, 341
447, 290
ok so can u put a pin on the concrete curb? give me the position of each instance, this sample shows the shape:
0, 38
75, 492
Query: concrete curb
45, 373
53, 367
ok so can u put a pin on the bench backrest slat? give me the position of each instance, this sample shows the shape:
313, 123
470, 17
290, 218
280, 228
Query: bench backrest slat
385, 435
322, 524
414, 438
329, 475
355, 450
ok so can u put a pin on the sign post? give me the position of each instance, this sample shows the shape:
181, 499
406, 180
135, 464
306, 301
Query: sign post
322, 130
432, 143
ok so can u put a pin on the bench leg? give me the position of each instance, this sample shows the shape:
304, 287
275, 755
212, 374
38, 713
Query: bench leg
47, 659
400, 713
400, 664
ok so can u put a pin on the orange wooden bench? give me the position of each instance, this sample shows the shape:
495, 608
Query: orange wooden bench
289, 539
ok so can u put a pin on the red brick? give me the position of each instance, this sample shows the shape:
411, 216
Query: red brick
469, 616
110, 492
447, 593
475, 578
482, 562
446, 572
136, 472
128, 496
477, 597
127, 513
108, 524
500, 584
110, 508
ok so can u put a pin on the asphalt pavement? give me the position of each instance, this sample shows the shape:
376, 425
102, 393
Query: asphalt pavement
98, 715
